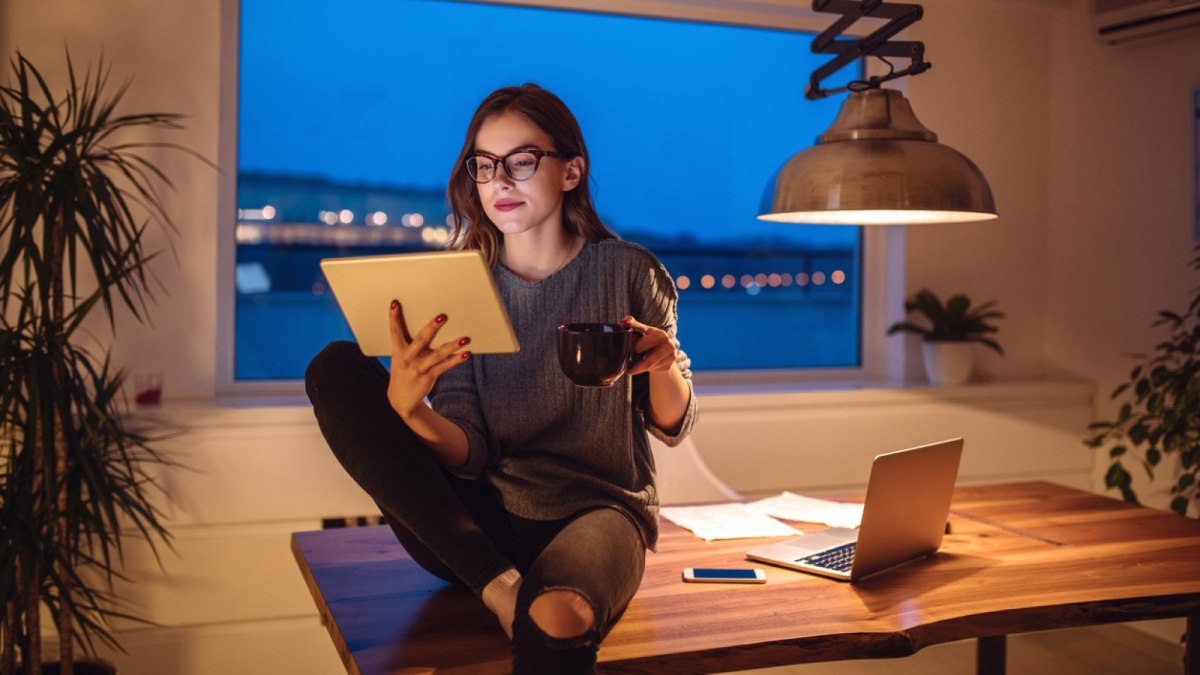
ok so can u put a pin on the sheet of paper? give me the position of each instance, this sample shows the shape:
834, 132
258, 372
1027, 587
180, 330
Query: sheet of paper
726, 521
795, 507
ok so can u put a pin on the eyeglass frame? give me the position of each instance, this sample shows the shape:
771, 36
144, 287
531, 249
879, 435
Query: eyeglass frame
538, 154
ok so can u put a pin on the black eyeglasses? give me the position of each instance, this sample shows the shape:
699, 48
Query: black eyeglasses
518, 164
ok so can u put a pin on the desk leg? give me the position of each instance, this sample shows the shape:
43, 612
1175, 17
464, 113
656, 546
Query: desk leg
1191, 650
990, 655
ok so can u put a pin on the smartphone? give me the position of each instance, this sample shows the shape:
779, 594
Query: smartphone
724, 576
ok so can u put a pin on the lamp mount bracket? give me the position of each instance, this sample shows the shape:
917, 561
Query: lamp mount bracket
899, 15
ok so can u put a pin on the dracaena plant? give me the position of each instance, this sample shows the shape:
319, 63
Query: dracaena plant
75, 201
1159, 417
955, 321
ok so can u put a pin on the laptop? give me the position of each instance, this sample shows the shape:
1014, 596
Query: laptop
904, 518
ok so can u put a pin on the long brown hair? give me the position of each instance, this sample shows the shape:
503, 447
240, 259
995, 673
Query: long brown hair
472, 228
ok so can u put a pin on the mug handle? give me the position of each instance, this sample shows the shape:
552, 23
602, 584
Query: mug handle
636, 356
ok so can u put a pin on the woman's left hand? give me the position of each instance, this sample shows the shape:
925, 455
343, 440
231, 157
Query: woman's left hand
658, 352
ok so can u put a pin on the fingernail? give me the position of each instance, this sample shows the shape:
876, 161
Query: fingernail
440, 318
466, 355
395, 304
464, 342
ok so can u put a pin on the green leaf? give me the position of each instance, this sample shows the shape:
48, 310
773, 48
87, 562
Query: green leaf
1117, 476
956, 308
1190, 457
1186, 481
908, 327
1153, 457
1116, 451
1179, 505
1137, 434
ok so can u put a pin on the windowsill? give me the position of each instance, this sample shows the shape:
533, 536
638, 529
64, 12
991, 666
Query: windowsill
860, 394
283, 410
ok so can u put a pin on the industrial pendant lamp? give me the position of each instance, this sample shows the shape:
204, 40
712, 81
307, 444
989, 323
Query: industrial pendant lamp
877, 164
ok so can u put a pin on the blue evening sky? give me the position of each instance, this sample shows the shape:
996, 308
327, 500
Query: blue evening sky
686, 122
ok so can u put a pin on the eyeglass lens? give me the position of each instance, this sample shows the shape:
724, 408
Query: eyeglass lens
518, 166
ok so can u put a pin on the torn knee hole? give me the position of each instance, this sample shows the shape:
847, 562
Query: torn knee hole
562, 614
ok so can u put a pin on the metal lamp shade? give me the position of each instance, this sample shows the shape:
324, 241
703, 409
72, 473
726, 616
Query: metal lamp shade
877, 165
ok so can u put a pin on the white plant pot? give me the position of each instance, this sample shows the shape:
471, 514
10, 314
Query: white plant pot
948, 362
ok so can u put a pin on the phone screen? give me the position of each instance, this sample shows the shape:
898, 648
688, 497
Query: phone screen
722, 574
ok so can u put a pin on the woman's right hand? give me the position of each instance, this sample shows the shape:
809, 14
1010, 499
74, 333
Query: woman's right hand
415, 367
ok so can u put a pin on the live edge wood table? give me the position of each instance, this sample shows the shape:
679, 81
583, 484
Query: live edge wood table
1020, 557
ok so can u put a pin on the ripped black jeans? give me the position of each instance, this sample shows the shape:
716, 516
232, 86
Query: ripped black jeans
458, 530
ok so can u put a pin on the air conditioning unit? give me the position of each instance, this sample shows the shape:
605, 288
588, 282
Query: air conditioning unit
1119, 21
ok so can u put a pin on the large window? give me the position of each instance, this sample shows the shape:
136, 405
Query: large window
350, 115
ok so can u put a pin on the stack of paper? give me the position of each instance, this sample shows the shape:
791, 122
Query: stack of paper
806, 509
726, 521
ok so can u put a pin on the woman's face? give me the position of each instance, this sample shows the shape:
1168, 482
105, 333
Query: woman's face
533, 204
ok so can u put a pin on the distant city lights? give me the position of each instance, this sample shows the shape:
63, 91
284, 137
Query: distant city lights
249, 233
755, 283
265, 213
255, 228
435, 235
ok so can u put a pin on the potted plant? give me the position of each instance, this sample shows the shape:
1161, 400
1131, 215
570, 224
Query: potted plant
75, 201
949, 332
1160, 416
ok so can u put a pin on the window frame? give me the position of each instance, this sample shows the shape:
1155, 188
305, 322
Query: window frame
882, 247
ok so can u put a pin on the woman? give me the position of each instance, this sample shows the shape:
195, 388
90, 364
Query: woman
494, 470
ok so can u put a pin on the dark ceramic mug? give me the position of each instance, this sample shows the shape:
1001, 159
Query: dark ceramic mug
596, 354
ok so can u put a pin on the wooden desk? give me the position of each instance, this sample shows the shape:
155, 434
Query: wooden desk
1023, 557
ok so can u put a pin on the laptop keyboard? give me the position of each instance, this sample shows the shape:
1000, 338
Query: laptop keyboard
838, 559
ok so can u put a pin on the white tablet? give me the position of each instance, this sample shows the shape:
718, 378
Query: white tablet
456, 283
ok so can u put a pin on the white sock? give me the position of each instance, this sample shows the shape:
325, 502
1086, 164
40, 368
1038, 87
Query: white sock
500, 596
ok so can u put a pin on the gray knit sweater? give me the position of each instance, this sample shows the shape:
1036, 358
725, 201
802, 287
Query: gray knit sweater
552, 449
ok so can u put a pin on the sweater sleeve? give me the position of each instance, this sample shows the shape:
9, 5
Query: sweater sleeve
456, 398
655, 301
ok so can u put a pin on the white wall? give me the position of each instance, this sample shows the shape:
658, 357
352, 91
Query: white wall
987, 96
170, 50
1120, 222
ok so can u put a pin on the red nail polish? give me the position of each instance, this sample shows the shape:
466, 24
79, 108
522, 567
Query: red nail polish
464, 342
395, 304
466, 355
440, 318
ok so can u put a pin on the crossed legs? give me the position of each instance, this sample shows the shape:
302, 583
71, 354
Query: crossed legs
578, 573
